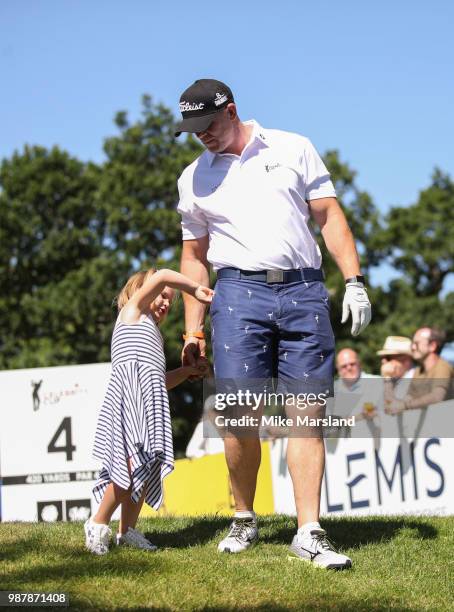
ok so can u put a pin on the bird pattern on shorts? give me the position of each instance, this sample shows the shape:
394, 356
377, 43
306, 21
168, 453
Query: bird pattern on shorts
246, 306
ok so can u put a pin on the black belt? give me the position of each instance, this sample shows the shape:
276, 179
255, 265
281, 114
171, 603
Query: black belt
273, 276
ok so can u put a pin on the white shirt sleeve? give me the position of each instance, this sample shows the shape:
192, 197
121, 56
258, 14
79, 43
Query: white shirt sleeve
315, 174
193, 221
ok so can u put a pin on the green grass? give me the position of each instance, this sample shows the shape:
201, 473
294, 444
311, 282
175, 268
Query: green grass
399, 563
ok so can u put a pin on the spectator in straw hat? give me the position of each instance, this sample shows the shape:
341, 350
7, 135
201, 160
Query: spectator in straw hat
397, 367
397, 362
432, 378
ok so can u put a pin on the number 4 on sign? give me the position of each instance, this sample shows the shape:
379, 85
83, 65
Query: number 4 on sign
68, 448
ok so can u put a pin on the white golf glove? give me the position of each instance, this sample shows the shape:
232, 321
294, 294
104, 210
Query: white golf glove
357, 302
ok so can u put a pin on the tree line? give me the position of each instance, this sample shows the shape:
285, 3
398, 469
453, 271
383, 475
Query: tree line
71, 232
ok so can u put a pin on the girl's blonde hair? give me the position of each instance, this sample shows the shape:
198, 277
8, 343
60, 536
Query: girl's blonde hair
133, 283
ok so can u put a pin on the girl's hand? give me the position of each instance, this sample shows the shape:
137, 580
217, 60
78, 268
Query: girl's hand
204, 294
203, 366
195, 371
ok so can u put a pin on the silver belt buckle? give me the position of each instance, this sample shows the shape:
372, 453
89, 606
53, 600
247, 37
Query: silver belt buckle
275, 276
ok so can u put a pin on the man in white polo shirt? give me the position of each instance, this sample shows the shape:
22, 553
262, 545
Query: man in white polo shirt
245, 205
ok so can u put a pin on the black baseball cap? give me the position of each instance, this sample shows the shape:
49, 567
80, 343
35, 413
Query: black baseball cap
200, 102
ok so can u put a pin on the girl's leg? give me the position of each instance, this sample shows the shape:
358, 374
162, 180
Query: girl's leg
130, 513
113, 497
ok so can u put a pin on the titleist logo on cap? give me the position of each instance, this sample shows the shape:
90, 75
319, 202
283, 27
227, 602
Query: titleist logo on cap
188, 106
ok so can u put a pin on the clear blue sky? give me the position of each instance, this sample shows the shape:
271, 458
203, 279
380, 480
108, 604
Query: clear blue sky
373, 80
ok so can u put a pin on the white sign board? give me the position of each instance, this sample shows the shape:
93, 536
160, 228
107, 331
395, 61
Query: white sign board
404, 474
47, 423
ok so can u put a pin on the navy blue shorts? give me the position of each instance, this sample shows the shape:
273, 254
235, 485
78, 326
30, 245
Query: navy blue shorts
273, 331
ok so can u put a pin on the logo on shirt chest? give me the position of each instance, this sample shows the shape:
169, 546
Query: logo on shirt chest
270, 167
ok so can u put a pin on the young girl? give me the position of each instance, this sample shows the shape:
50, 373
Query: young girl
134, 436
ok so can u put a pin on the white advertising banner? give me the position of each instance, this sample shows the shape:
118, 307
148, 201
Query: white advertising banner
410, 473
47, 423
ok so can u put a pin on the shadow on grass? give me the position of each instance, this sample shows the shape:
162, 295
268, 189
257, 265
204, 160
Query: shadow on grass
349, 532
180, 533
75, 562
17, 549
346, 532
81, 567
198, 531
40, 561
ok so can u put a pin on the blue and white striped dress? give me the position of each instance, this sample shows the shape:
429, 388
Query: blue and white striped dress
134, 421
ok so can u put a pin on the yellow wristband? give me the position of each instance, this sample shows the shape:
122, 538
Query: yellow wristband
194, 334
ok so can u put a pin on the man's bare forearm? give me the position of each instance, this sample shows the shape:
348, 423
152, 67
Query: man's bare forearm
340, 243
194, 311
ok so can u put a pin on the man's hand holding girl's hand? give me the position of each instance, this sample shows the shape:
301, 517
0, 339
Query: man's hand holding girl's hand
203, 366
200, 370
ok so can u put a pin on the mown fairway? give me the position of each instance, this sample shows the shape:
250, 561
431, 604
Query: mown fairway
399, 563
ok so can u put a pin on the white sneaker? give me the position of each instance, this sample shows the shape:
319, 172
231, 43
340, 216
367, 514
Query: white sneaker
135, 539
243, 533
315, 547
97, 537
